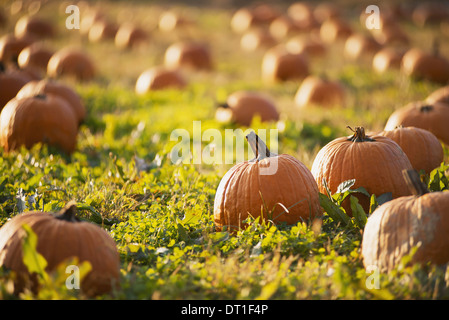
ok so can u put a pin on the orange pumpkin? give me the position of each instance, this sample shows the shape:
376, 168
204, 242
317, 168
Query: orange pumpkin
242, 106
420, 114
358, 46
35, 55
256, 39
335, 30
419, 64
279, 64
286, 194
374, 161
439, 95
303, 16
311, 46
46, 119
11, 46
416, 221
35, 27
60, 238
387, 59
102, 30
68, 62
196, 56
422, 148
248, 17
159, 77
320, 91
130, 36
34, 88
10, 84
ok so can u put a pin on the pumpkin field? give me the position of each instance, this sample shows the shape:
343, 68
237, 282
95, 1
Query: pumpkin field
224, 150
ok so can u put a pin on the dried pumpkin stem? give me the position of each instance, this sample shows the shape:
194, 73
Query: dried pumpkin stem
414, 183
426, 108
359, 135
259, 147
68, 213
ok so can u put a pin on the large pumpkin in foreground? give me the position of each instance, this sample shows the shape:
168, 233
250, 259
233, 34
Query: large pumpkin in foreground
374, 161
396, 227
46, 119
278, 188
60, 238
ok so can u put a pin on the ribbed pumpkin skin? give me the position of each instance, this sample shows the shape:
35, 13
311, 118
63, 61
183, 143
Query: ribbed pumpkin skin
375, 165
241, 190
397, 226
58, 241
433, 117
422, 147
33, 88
31, 120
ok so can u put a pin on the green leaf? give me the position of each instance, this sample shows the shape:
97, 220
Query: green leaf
333, 210
357, 212
32, 259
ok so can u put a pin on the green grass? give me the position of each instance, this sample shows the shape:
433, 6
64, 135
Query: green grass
161, 215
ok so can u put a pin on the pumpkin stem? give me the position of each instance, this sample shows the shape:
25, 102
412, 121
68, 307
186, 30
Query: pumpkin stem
223, 105
68, 213
359, 135
425, 108
414, 183
259, 147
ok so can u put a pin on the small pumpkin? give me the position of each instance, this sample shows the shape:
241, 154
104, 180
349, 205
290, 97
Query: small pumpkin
320, 91
242, 106
34, 26
34, 88
256, 39
422, 148
303, 16
46, 119
416, 221
159, 77
102, 30
432, 117
279, 64
387, 59
335, 30
326, 10
11, 46
419, 64
35, 55
311, 46
439, 95
192, 55
130, 36
69, 62
358, 46
249, 17
10, 84
60, 238
170, 20
374, 161
286, 194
